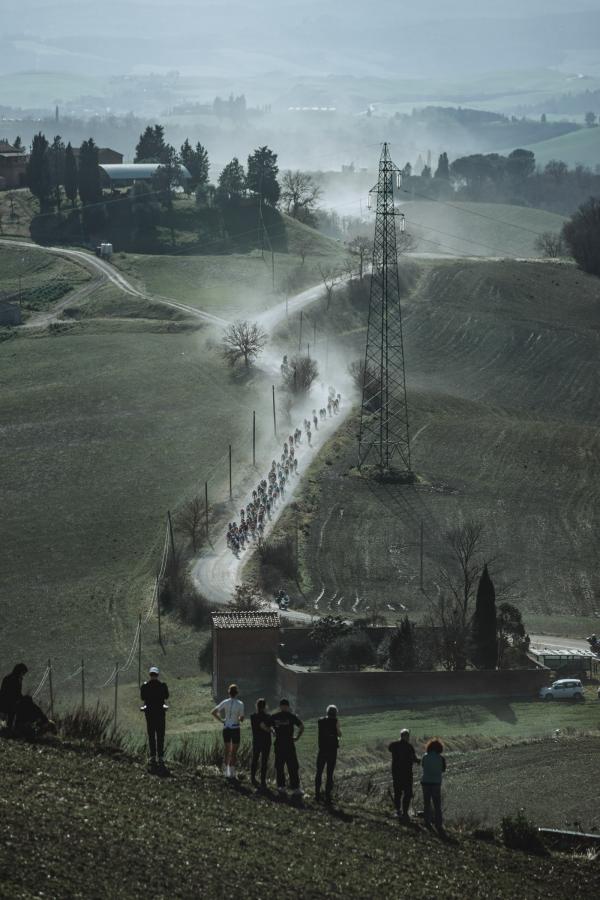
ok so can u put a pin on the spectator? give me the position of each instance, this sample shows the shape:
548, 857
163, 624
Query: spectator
261, 743
284, 722
154, 694
329, 741
231, 713
11, 693
403, 760
434, 766
30, 721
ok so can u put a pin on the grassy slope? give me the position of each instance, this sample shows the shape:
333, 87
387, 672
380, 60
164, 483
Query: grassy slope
15, 218
500, 362
124, 833
478, 229
45, 277
576, 147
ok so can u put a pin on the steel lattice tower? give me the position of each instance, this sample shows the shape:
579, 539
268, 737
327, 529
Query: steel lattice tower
384, 433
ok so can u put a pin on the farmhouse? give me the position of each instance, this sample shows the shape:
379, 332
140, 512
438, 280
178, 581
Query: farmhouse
123, 174
254, 651
105, 155
13, 162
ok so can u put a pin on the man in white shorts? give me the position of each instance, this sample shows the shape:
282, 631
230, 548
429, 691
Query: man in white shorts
231, 713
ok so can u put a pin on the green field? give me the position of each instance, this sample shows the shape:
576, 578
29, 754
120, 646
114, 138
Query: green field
36, 278
477, 229
576, 148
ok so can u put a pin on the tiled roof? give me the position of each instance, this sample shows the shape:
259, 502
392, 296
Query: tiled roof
245, 619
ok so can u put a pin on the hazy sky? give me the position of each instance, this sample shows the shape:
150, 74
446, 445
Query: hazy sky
387, 38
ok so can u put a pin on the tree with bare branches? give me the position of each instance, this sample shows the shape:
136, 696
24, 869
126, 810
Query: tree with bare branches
330, 278
300, 374
300, 194
191, 521
361, 246
243, 340
551, 245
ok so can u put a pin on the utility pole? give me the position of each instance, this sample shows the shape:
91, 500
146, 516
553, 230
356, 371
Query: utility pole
82, 685
206, 507
254, 438
274, 414
51, 689
116, 695
172, 539
300, 335
384, 430
230, 485
140, 649
421, 557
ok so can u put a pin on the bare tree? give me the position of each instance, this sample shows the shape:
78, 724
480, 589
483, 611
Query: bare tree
299, 195
465, 544
405, 242
300, 374
449, 635
361, 246
243, 340
247, 598
191, 521
369, 374
303, 248
330, 278
550, 244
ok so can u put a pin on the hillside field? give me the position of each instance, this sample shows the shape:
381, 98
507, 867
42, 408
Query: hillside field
128, 834
576, 148
500, 361
44, 278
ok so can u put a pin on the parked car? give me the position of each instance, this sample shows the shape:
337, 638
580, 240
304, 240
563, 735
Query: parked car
564, 688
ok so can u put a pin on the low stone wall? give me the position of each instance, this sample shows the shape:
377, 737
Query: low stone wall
310, 692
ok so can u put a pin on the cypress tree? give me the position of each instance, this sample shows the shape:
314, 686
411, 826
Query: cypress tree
443, 169
70, 175
38, 174
262, 175
484, 638
89, 173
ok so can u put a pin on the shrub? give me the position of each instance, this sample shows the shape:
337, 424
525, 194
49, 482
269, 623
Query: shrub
193, 752
205, 656
247, 598
350, 653
193, 608
280, 554
582, 236
94, 725
328, 629
519, 833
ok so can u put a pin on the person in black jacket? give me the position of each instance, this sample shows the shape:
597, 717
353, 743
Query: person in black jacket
329, 741
403, 760
261, 742
11, 693
154, 694
284, 724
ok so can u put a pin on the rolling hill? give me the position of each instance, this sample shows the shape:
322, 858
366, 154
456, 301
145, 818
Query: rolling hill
576, 148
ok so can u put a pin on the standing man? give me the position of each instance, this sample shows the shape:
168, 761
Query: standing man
154, 694
11, 693
231, 713
329, 741
403, 760
261, 742
283, 723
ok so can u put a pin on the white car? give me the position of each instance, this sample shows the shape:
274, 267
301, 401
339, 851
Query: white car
564, 688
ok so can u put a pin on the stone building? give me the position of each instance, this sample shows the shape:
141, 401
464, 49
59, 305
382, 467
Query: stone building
13, 163
245, 650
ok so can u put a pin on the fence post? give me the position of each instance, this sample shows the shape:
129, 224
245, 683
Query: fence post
116, 695
82, 685
51, 689
274, 414
421, 557
206, 508
171, 534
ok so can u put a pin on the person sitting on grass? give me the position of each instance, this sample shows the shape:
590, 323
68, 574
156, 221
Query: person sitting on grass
30, 721
434, 766
231, 713
403, 760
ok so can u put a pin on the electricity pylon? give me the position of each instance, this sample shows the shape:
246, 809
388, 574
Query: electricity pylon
384, 432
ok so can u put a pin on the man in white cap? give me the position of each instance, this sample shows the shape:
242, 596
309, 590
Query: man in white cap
154, 695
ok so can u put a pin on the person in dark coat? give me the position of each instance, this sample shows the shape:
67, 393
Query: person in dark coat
284, 724
403, 760
154, 694
30, 720
261, 742
11, 693
329, 741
